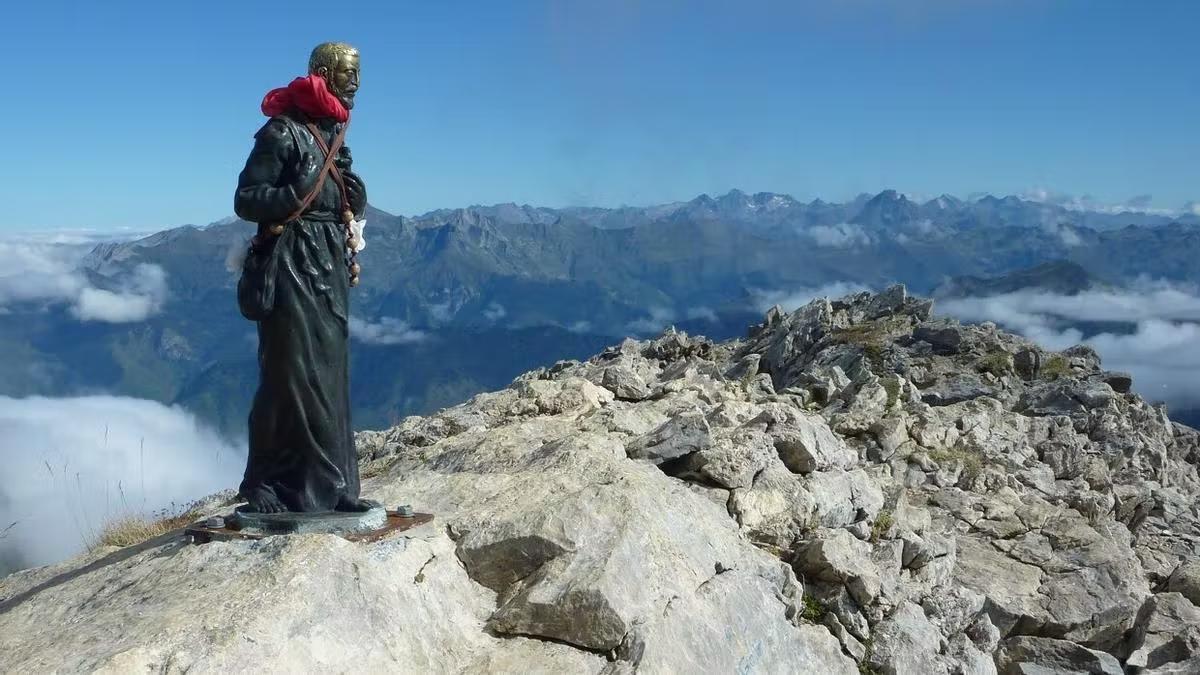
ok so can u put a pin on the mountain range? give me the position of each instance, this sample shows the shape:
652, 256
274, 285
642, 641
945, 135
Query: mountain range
459, 301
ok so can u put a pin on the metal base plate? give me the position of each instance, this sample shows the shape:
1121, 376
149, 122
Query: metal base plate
393, 522
318, 522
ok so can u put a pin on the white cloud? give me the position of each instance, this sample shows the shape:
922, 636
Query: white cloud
704, 313
793, 299
580, 326
46, 270
73, 464
922, 228
1069, 236
441, 312
659, 318
236, 254
141, 295
84, 237
1142, 301
494, 312
1136, 204
1159, 351
387, 331
842, 235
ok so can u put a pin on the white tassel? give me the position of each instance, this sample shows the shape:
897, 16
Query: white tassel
356, 230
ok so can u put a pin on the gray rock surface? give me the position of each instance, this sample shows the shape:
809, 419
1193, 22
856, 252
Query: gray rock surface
1186, 580
1165, 634
1033, 655
854, 487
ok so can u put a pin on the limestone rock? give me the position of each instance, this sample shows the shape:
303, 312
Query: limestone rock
774, 510
805, 442
681, 435
1167, 631
743, 609
906, 642
1185, 580
624, 383
1025, 654
835, 555
333, 606
945, 339
1028, 363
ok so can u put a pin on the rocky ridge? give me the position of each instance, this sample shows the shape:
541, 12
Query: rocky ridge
856, 486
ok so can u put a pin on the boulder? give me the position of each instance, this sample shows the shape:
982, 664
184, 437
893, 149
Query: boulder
906, 642
1026, 655
1185, 580
945, 339
625, 384
837, 556
1167, 632
681, 435
805, 443
1028, 363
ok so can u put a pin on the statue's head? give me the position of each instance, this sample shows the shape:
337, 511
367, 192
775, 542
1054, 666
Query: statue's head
337, 62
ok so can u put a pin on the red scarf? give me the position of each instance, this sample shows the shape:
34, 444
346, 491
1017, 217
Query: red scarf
310, 94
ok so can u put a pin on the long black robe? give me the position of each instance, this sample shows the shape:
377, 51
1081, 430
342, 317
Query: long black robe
301, 440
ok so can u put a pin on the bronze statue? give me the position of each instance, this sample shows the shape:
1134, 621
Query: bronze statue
299, 188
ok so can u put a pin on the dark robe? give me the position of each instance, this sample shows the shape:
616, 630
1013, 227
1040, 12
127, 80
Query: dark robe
301, 441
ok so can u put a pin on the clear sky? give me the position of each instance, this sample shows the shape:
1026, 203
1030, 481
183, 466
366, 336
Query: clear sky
140, 114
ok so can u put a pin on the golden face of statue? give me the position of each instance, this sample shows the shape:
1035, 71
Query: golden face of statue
338, 64
343, 80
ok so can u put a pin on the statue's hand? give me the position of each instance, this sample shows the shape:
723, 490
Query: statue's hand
310, 170
356, 192
343, 160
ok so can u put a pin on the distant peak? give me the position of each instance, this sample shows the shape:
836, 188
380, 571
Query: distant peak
889, 196
944, 202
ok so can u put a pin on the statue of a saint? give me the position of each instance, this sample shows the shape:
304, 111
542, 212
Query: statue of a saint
299, 188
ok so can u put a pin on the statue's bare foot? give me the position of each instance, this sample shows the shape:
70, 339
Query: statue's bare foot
356, 505
263, 501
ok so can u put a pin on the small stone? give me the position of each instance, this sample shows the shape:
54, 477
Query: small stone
215, 523
404, 511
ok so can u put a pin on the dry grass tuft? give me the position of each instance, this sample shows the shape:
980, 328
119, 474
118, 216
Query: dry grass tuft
1055, 367
131, 530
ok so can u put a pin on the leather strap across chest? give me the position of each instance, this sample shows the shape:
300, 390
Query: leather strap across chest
327, 168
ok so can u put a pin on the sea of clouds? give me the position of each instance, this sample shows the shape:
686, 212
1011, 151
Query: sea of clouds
68, 466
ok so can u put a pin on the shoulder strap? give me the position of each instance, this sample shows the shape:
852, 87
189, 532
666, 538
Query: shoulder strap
331, 156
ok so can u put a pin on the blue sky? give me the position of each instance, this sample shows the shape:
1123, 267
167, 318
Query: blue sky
140, 114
